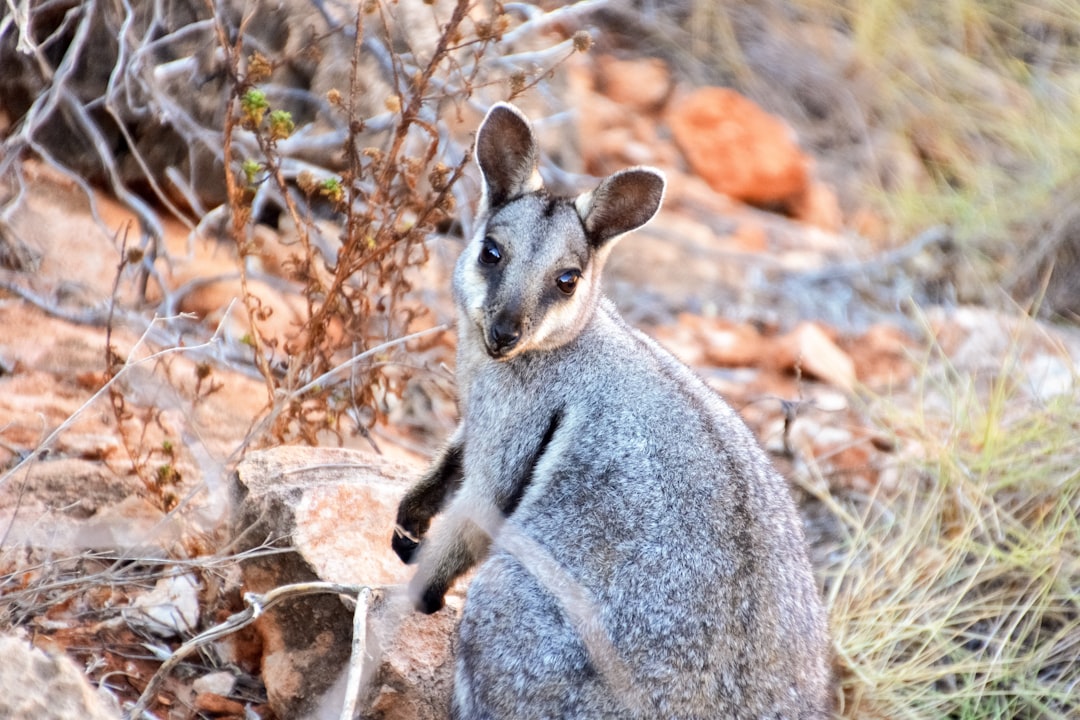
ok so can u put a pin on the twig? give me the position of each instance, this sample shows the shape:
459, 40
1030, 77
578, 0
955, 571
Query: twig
325, 378
47, 442
283, 400
94, 317
540, 20
257, 604
123, 568
936, 235
359, 654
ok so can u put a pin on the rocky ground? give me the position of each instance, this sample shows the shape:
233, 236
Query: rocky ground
122, 514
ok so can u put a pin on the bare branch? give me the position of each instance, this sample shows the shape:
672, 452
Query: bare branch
257, 604
357, 658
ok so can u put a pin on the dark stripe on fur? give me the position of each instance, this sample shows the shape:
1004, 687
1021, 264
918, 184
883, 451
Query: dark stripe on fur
514, 500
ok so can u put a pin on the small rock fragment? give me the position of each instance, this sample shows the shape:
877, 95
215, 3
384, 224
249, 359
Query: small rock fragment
218, 683
812, 352
170, 609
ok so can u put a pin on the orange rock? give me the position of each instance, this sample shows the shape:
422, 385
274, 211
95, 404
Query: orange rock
882, 356
601, 126
738, 148
683, 339
819, 207
810, 350
685, 190
870, 225
642, 85
732, 344
751, 238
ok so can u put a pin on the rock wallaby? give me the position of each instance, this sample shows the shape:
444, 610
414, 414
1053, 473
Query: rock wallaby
640, 555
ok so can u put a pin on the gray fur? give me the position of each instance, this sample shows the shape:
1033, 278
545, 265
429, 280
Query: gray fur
647, 559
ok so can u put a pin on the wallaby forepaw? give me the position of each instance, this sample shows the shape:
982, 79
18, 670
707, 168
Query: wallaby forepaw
431, 601
405, 546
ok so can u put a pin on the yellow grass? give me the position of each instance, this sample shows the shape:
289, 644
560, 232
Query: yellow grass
959, 595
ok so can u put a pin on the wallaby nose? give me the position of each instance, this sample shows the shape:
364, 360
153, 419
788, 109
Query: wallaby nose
503, 336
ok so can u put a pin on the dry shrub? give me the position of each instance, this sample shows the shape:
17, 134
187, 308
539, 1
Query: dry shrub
331, 121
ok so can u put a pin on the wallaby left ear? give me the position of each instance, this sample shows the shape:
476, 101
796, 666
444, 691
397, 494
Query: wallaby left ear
622, 202
507, 153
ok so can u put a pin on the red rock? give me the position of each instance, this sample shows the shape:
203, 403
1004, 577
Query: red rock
607, 138
738, 148
731, 344
683, 340
871, 225
881, 356
819, 207
214, 704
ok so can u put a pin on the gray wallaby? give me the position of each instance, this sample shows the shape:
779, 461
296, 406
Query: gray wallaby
641, 556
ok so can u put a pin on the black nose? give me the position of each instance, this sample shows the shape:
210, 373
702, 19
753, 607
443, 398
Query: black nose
503, 337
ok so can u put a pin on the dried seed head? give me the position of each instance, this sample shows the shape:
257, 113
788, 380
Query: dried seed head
259, 68
306, 182
438, 176
517, 82
582, 41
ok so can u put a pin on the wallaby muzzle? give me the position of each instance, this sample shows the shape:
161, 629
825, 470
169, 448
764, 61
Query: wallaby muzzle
503, 335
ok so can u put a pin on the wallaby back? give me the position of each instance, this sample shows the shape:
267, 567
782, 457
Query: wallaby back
643, 558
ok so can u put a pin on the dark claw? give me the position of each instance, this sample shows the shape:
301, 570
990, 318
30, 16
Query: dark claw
405, 547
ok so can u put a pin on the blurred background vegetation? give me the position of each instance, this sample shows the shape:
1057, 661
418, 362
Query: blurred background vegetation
963, 113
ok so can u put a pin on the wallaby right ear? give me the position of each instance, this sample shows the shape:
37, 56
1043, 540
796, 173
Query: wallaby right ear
507, 153
622, 202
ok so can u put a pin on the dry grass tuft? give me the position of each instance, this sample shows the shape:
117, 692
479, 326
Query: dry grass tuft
959, 597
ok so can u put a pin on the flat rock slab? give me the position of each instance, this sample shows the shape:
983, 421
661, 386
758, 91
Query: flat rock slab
329, 514
37, 684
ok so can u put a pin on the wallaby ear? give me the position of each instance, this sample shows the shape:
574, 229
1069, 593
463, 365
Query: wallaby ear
507, 153
622, 202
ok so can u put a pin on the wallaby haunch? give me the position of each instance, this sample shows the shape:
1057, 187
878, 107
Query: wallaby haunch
641, 557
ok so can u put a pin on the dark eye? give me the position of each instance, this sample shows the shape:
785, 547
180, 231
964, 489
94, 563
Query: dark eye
567, 282
490, 253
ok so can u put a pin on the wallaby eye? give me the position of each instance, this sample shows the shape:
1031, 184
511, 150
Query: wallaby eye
490, 253
567, 282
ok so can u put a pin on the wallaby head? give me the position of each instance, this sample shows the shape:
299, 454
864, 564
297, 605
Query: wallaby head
529, 279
